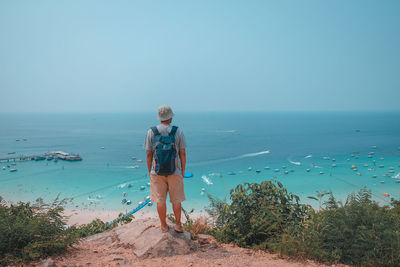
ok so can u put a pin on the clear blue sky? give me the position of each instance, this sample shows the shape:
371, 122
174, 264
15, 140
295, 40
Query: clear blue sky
93, 56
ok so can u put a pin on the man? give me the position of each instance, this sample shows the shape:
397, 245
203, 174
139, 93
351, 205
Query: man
171, 182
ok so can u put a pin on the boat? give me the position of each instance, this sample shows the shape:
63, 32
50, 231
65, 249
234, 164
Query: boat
37, 158
369, 156
308, 170
4, 168
150, 204
333, 165
142, 187
202, 190
123, 201
276, 170
148, 184
139, 160
13, 170
321, 172
128, 202
249, 168
286, 172
73, 157
333, 159
258, 171
283, 167
381, 166
102, 147
374, 176
267, 167
353, 167
133, 158
231, 173
382, 182
10, 153
386, 194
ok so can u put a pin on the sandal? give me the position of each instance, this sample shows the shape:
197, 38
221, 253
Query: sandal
178, 228
164, 229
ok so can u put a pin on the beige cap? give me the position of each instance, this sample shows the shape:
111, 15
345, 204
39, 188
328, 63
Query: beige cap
165, 113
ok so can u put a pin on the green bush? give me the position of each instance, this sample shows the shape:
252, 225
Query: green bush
265, 216
258, 216
360, 232
31, 232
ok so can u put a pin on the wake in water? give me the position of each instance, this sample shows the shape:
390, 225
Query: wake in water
206, 180
298, 163
308, 156
249, 155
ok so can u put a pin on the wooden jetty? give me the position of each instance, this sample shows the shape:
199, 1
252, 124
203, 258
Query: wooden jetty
49, 155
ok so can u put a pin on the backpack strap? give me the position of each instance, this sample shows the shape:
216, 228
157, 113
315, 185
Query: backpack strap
155, 130
173, 131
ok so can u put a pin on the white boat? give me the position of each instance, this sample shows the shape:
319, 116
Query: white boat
249, 168
13, 170
267, 167
4, 168
139, 160
308, 170
286, 172
321, 172
258, 171
142, 187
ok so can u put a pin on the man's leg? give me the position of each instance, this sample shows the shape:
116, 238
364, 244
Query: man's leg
177, 207
162, 213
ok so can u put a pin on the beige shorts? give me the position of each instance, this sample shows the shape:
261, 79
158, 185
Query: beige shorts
160, 185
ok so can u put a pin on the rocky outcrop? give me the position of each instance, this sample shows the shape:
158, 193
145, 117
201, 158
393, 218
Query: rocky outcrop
146, 240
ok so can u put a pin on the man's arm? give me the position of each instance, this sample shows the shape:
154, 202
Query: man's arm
149, 159
182, 156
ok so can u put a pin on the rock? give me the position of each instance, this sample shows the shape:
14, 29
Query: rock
207, 241
146, 240
47, 263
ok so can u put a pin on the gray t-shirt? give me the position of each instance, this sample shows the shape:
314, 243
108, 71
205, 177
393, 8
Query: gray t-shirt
180, 143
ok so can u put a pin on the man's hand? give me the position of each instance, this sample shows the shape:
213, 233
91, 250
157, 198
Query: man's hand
182, 156
149, 160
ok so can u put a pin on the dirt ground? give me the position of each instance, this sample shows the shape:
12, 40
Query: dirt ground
95, 254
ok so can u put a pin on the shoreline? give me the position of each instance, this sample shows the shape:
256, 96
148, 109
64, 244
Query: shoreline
79, 217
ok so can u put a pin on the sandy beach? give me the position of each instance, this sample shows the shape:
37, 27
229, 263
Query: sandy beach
79, 217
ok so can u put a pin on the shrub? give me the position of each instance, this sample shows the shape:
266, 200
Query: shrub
29, 232
258, 216
360, 232
265, 216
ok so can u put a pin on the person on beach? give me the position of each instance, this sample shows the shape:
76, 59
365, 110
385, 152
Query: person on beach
167, 177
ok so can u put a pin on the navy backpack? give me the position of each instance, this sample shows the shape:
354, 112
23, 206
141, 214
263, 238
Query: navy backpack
165, 152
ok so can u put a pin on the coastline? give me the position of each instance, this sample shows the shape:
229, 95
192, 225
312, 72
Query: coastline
79, 217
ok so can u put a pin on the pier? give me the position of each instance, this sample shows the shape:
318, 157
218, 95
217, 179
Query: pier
53, 155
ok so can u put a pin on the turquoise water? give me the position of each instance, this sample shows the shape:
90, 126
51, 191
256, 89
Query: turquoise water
219, 144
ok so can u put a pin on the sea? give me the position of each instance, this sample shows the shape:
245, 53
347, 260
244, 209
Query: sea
308, 152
